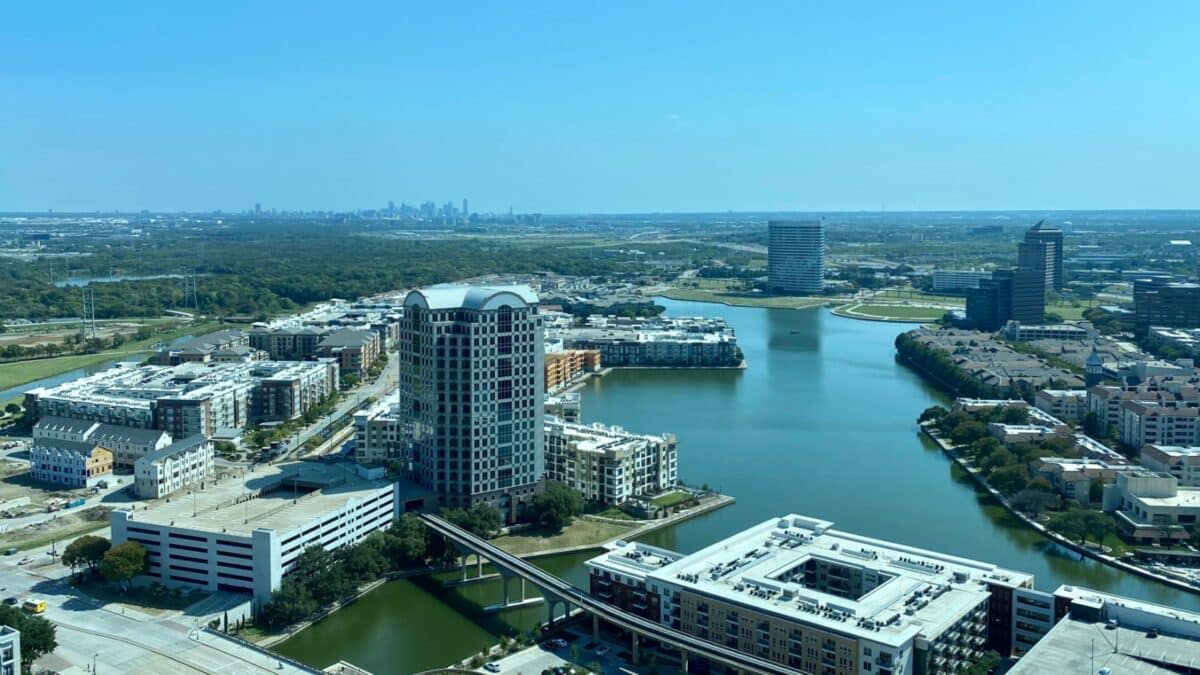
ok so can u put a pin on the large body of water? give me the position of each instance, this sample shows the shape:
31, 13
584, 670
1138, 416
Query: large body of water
822, 422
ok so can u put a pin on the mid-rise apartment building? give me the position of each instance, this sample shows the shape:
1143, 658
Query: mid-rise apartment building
377, 431
1065, 404
126, 443
797, 592
10, 651
471, 369
1073, 477
564, 366
355, 349
1151, 423
190, 398
608, 464
174, 467
682, 342
1182, 462
291, 343
287, 389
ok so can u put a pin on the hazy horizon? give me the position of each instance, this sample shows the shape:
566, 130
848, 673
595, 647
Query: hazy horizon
614, 109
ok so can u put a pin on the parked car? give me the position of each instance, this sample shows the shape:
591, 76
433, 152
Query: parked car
12, 600
491, 667
602, 650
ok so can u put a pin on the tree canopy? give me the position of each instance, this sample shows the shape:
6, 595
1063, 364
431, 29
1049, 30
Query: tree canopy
37, 634
87, 550
123, 562
553, 508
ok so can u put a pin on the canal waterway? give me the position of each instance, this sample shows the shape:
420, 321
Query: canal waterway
77, 373
821, 422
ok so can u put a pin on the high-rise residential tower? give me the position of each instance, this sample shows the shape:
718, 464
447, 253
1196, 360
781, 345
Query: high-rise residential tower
796, 256
1052, 237
470, 394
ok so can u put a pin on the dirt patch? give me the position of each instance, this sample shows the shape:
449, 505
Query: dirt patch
64, 525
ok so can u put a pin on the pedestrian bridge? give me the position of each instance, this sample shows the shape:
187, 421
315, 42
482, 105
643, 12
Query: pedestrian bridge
558, 592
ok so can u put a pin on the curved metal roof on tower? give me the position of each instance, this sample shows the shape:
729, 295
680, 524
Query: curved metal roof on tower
454, 296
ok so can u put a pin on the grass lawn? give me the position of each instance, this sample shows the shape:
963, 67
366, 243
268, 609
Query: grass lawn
671, 499
141, 597
254, 634
911, 294
1067, 312
579, 533
21, 372
741, 299
899, 312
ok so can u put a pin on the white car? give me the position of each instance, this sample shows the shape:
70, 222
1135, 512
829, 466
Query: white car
602, 650
491, 667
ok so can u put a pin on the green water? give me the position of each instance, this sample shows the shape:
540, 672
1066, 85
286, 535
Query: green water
822, 422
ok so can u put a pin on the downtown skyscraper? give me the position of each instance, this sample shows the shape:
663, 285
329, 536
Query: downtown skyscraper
470, 394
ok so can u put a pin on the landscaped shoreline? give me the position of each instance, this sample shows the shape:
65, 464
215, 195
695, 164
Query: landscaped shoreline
950, 450
716, 502
764, 302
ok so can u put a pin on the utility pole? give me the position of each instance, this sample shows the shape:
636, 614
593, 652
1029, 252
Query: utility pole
89, 311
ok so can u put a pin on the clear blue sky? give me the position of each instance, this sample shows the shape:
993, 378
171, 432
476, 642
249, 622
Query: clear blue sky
600, 107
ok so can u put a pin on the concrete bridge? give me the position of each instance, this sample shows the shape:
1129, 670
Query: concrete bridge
558, 593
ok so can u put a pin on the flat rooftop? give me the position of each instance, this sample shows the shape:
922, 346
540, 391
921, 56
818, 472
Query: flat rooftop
1068, 648
1178, 450
909, 591
265, 498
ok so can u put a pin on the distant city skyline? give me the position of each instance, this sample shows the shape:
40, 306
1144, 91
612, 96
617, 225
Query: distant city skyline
784, 108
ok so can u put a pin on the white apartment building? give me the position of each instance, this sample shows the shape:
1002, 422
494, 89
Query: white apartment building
163, 471
1012, 434
126, 443
797, 592
1146, 423
1073, 477
608, 464
10, 651
471, 386
377, 431
1182, 462
246, 538
1065, 404
70, 464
